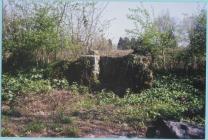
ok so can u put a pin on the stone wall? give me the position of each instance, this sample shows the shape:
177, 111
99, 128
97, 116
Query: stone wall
115, 73
84, 71
131, 71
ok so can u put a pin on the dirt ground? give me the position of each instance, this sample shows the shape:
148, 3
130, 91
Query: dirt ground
63, 114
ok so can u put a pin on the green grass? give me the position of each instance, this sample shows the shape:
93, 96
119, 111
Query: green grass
34, 126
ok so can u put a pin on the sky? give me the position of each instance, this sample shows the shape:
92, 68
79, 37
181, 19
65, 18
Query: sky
118, 10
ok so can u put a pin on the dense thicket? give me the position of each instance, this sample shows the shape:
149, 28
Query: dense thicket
166, 41
37, 33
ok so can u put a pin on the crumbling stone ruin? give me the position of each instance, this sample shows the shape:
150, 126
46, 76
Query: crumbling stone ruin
131, 71
112, 72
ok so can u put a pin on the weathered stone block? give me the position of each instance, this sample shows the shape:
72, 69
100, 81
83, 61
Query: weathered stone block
173, 129
116, 73
130, 71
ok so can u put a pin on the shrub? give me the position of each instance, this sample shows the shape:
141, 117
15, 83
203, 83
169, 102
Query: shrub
56, 127
59, 83
107, 97
62, 118
72, 131
79, 89
23, 84
86, 103
169, 98
35, 126
58, 69
5, 132
34, 82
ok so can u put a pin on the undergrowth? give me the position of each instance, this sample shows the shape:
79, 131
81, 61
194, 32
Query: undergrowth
169, 98
34, 82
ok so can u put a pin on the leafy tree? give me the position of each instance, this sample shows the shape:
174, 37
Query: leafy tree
157, 33
37, 33
126, 43
29, 37
197, 35
45, 34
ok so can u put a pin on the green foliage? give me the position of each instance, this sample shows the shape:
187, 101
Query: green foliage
5, 132
56, 127
37, 33
59, 84
107, 97
32, 39
197, 34
34, 127
62, 118
58, 69
169, 98
74, 87
86, 103
71, 131
33, 82
13, 86
155, 33
79, 70
79, 89
161, 33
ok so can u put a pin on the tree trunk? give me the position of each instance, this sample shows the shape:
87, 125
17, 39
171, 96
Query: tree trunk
163, 56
